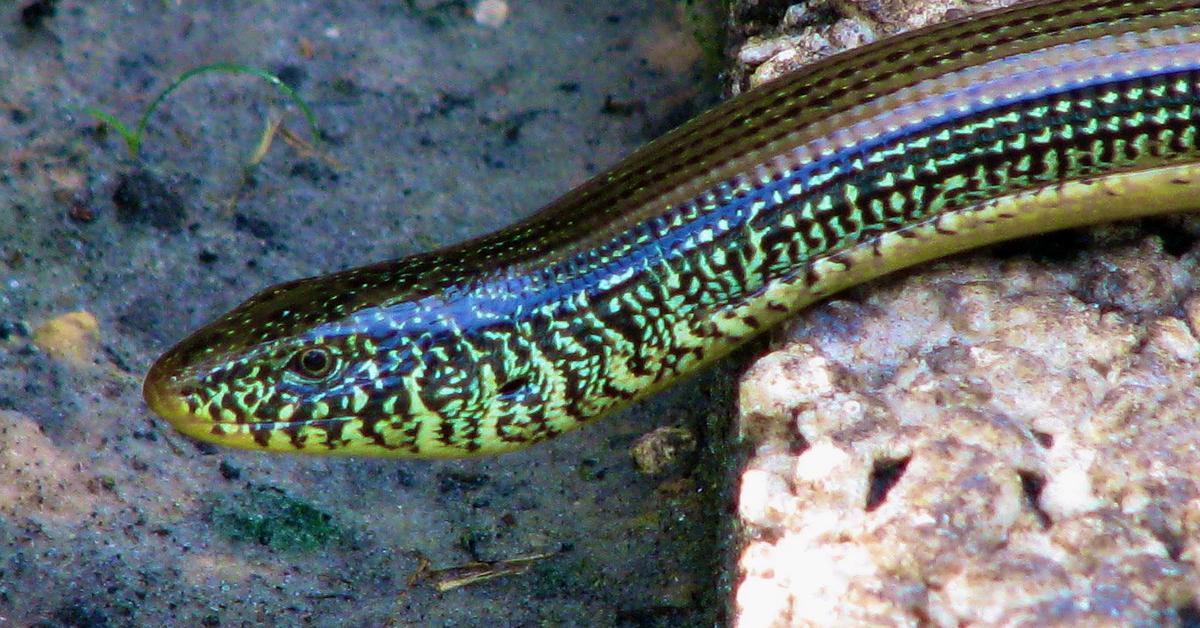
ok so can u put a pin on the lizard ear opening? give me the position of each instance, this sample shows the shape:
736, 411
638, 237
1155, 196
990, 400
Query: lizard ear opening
513, 387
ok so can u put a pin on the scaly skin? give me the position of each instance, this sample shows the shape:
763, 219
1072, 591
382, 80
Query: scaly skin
1044, 116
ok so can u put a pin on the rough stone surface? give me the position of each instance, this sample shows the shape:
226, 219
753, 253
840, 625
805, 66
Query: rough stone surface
1002, 438
770, 39
980, 442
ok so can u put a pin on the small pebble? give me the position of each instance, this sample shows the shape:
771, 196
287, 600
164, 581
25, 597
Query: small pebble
67, 183
229, 471
9, 329
81, 212
35, 14
664, 449
491, 13
73, 337
142, 196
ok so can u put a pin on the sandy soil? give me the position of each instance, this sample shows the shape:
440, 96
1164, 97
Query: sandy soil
440, 122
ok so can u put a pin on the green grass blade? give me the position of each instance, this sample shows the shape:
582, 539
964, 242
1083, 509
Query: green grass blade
231, 68
132, 141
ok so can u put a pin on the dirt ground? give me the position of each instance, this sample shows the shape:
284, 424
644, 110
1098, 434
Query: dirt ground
441, 120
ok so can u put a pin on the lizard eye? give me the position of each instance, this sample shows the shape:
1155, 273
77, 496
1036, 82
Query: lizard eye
312, 363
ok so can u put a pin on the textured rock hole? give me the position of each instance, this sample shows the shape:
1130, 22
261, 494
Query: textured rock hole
1044, 439
1176, 242
1058, 246
764, 12
1175, 544
1032, 485
884, 475
1189, 615
798, 444
1175, 547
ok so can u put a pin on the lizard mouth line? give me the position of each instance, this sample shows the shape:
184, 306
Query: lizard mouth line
172, 408
169, 404
240, 434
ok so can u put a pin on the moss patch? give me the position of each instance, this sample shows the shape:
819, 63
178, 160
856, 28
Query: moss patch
269, 516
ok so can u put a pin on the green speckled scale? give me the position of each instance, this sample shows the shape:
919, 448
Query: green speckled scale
1045, 116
